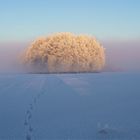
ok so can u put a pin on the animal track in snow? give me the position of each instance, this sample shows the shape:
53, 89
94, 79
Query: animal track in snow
29, 112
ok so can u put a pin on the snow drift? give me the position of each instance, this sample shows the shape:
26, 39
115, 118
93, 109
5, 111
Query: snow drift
65, 52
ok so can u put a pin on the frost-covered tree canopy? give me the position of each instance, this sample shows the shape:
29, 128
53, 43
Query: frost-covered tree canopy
65, 52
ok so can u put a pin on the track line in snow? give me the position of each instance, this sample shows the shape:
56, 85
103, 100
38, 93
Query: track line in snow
29, 112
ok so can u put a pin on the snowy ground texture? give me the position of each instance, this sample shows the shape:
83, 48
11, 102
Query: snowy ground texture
98, 106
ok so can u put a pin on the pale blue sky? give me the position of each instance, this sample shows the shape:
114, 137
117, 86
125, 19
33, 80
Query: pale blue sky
23, 20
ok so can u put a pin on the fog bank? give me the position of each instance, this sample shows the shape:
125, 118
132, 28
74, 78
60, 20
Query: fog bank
120, 56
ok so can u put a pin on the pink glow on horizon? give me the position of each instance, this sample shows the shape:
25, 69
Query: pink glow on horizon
120, 55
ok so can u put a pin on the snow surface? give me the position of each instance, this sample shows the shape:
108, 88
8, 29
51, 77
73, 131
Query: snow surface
98, 106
